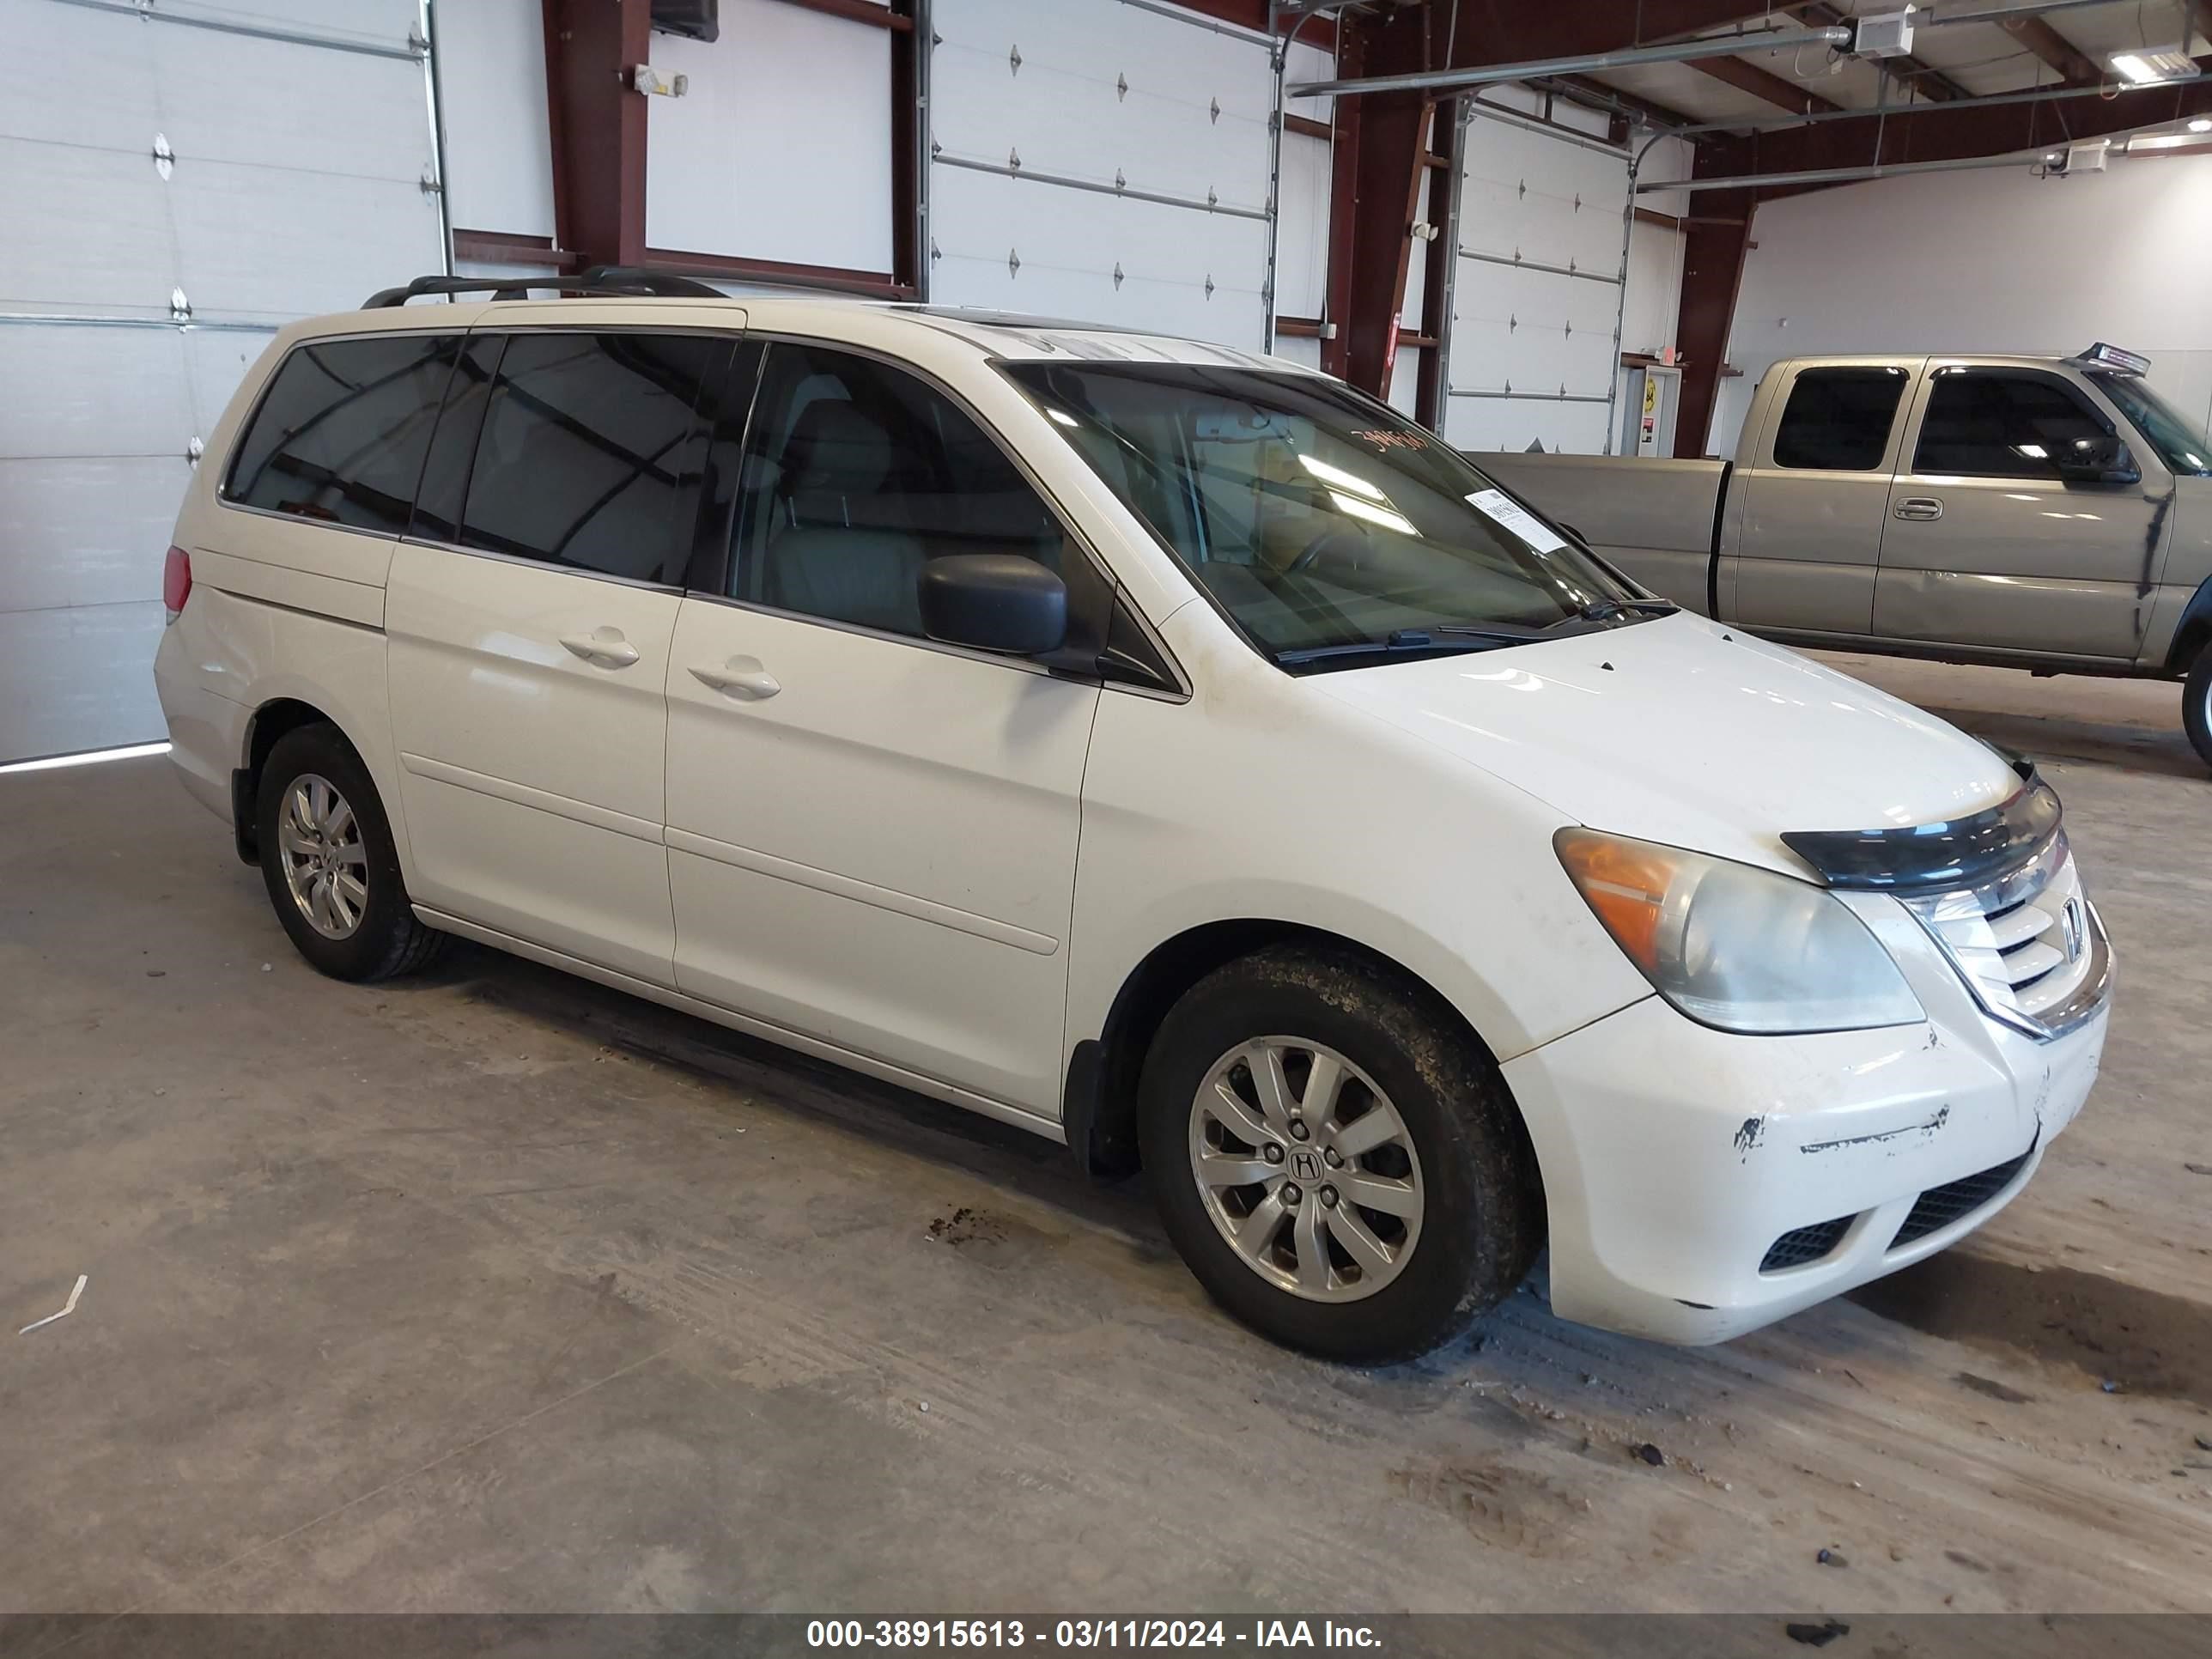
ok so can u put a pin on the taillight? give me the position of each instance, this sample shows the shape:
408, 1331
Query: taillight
176, 581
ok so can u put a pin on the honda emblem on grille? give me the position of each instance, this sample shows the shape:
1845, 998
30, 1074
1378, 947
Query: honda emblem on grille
2072, 928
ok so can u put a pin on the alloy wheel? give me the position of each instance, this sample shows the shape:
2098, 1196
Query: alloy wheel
325, 862
1306, 1169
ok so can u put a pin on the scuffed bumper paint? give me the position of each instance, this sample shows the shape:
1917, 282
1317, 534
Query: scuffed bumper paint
1674, 1155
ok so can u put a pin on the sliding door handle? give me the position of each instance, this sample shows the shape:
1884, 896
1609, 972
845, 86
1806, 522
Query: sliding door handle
742, 677
604, 646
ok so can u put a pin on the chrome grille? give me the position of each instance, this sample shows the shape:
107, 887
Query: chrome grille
2028, 943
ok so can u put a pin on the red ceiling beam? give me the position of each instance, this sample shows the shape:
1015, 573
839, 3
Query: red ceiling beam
2052, 47
1948, 134
598, 125
1252, 14
1765, 84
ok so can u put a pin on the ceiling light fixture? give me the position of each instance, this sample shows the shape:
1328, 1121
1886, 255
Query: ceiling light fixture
2149, 66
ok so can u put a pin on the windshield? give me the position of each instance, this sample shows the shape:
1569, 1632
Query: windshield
2180, 444
1321, 521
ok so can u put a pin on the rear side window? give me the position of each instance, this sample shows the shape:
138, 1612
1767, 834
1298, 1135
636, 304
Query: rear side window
1994, 424
1837, 420
340, 434
591, 453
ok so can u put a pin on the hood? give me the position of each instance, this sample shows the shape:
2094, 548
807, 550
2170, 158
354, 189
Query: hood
1681, 731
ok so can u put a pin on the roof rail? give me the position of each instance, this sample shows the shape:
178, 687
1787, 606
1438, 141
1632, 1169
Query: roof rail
652, 279
632, 280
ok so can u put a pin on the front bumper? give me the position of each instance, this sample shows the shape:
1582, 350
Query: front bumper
1675, 1157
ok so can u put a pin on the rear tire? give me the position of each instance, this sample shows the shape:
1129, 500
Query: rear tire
2197, 705
1458, 1210
328, 861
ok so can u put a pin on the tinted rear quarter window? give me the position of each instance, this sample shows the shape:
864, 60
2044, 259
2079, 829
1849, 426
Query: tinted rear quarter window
446, 474
591, 453
1837, 420
340, 436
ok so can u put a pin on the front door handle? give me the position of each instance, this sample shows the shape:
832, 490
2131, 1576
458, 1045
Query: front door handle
742, 677
603, 646
1920, 508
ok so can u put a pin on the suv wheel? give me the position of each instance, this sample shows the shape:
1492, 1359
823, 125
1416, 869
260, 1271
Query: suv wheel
1341, 1169
328, 861
2196, 704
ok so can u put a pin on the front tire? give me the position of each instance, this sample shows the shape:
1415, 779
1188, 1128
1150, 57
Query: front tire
2197, 705
330, 864
1339, 1164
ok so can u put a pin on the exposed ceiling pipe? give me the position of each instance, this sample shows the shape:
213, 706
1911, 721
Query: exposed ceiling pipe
1680, 52
1871, 112
2000, 15
1872, 170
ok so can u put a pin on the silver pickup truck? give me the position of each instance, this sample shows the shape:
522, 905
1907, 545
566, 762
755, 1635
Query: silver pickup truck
2041, 513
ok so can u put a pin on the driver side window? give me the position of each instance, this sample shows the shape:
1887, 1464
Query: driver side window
1986, 424
855, 476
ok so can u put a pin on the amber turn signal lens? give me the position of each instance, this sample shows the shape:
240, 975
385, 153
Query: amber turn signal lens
1626, 883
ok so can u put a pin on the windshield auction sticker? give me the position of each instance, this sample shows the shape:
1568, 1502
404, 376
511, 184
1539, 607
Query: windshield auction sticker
1502, 509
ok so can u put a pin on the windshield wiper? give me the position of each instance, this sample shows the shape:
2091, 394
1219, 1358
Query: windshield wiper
1404, 639
1606, 611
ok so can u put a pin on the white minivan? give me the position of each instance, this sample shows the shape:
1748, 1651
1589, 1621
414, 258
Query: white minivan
1164, 748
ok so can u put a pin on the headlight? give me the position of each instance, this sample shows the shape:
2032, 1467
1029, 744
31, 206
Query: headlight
1734, 947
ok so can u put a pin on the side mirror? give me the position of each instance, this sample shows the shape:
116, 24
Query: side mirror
994, 602
2102, 459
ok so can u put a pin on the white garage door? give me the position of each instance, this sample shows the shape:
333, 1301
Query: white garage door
175, 184
1101, 160
1536, 296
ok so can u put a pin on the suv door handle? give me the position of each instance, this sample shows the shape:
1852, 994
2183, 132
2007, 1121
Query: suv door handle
740, 677
1920, 507
603, 646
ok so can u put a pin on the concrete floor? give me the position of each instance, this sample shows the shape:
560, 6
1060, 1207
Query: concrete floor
496, 1291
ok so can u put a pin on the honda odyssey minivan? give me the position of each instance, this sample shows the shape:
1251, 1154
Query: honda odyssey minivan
1166, 750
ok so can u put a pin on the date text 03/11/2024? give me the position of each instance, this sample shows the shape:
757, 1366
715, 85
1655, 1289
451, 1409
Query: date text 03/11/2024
1084, 1633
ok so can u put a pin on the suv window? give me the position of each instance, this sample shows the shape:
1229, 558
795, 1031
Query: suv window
340, 434
2000, 424
1837, 420
856, 475
591, 455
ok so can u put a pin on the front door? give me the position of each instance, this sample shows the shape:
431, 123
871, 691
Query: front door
529, 617
1989, 546
872, 837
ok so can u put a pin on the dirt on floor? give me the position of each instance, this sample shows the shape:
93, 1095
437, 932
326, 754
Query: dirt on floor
494, 1291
